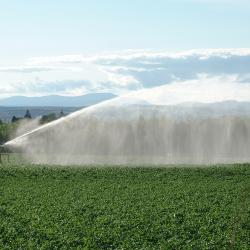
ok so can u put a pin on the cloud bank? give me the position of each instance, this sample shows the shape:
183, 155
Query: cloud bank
131, 70
39, 87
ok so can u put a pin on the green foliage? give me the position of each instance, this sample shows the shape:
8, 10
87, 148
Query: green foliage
6, 130
48, 118
44, 207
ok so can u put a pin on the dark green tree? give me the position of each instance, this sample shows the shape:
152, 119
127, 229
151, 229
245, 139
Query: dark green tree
48, 118
27, 115
61, 114
14, 119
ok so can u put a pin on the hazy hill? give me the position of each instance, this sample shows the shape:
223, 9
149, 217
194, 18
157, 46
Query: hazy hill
56, 100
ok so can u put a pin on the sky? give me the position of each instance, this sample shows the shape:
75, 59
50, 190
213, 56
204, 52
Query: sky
81, 46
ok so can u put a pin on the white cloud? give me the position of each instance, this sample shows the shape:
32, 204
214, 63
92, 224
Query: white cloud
149, 68
66, 59
128, 55
124, 71
156, 69
32, 69
39, 87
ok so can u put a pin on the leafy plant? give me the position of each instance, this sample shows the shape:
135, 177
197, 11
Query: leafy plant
124, 208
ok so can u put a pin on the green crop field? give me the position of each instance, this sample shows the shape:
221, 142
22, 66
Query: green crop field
43, 207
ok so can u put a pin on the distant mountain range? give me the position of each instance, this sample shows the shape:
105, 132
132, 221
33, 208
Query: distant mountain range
56, 100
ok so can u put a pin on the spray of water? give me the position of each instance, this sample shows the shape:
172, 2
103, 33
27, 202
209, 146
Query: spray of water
26, 125
140, 128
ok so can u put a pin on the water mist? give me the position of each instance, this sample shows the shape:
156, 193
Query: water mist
134, 129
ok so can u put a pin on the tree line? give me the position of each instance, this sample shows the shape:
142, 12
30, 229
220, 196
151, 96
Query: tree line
8, 128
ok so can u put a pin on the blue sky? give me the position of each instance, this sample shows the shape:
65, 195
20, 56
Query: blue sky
36, 35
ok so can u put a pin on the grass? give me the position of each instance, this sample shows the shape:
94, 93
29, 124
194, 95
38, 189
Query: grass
44, 207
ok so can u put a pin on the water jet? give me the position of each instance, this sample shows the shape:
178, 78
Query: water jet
135, 130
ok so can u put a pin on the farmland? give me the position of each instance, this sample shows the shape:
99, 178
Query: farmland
44, 207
